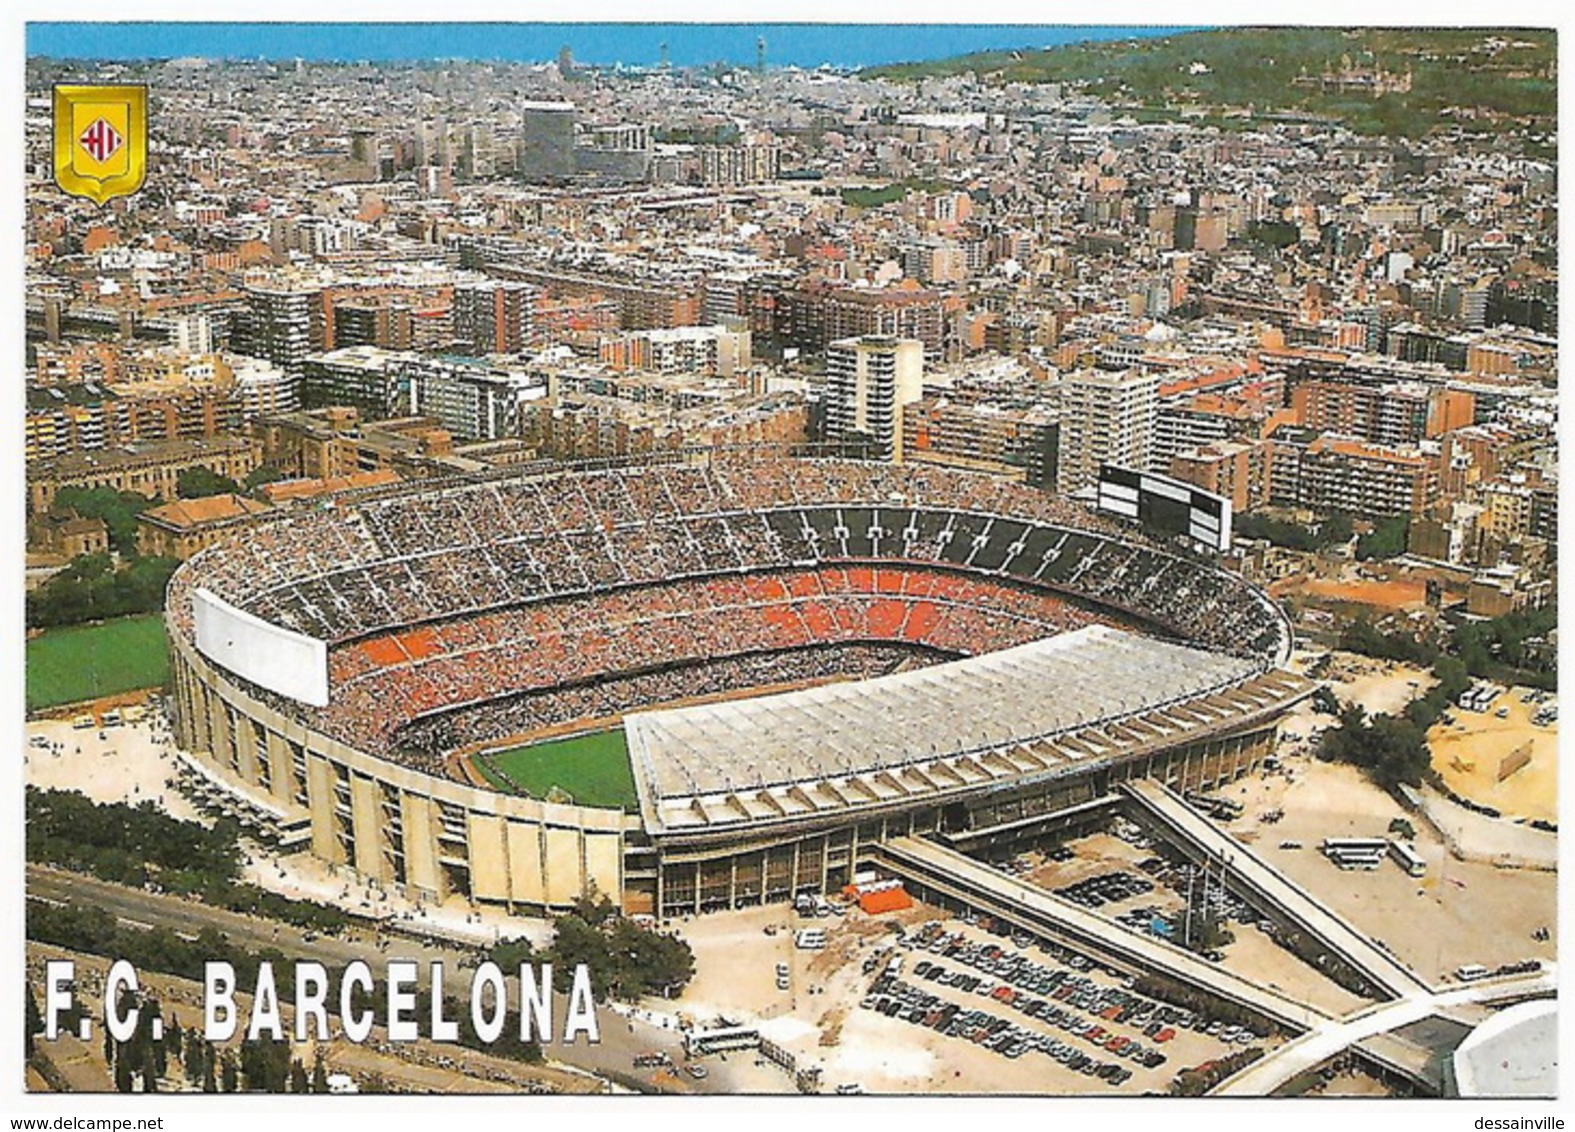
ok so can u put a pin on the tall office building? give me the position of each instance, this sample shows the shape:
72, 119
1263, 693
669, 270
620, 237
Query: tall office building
364, 152
1107, 417
546, 154
476, 152
278, 324
474, 399
868, 381
494, 316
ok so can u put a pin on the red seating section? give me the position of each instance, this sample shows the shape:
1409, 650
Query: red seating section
384, 681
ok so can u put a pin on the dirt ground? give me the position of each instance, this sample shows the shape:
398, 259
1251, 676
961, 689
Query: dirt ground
1352, 1083
1357, 591
1378, 685
1468, 752
1459, 912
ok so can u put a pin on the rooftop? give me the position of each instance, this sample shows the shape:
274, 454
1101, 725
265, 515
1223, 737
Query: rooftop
936, 729
188, 513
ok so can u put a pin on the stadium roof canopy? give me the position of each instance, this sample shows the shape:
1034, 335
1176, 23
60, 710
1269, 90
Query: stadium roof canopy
1022, 712
1515, 1053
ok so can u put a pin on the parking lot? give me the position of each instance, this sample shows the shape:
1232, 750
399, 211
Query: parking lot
834, 1017
1135, 881
1085, 1029
1101, 871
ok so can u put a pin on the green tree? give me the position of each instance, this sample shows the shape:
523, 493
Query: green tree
91, 589
1452, 676
511, 953
1274, 234
1390, 750
1386, 540
623, 959
196, 482
33, 1024
149, 1069
574, 942
1336, 530
1362, 636
118, 509
260, 475
194, 1060
654, 962
594, 908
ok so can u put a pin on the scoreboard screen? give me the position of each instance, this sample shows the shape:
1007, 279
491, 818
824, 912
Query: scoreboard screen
1166, 506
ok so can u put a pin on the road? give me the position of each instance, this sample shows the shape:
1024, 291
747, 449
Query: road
941, 869
1271, 890
138, 909
1328, 1038
612, 1057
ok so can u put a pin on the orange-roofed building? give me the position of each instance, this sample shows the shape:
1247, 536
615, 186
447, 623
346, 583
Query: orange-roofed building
181, 529
98, 238
887, 900
288, 491
1339, 474
1238, 470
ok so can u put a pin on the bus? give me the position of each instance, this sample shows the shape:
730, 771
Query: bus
1355, 852
1479, 697
1407, 858
698, 1043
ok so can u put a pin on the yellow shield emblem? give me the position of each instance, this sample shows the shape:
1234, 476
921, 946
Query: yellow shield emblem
101, 140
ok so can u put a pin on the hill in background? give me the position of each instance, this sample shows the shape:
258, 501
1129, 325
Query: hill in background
1400, 81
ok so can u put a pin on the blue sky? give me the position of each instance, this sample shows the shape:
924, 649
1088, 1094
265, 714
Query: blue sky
634, 44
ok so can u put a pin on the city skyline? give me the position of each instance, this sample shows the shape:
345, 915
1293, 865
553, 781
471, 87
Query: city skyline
1026, 574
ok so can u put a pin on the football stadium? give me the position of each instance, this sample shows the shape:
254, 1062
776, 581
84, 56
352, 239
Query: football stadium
797, 658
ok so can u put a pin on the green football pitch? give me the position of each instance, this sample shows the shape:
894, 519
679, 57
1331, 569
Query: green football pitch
592, 768
85, 661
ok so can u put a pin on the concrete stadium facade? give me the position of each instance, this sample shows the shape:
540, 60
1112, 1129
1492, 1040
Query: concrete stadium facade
427, 834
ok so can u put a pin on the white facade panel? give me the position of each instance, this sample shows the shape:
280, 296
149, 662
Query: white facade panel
1167, 487
278, 659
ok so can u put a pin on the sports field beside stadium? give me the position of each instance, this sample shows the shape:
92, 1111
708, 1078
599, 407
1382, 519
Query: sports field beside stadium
593, 768
86, 661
